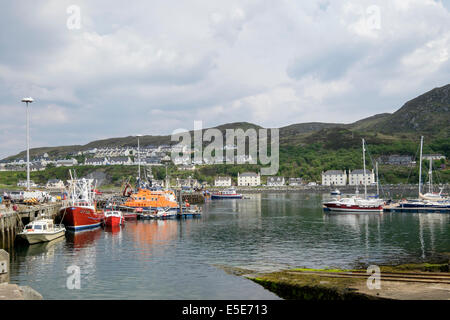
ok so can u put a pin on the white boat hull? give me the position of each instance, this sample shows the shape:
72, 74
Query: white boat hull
350, 210
33, 238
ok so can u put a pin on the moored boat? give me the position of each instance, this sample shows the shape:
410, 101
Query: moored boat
229, 193
165, 214
146, 199
356, 203
430, 201
114, 218
42, 230
335, 192
79, 212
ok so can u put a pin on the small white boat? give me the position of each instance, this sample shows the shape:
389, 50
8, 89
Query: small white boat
335, 192
42, 231
165, 214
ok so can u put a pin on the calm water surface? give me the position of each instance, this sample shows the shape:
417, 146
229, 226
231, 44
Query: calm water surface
179, 259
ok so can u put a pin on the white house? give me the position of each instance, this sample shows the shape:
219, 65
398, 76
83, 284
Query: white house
96, 161
189, 182
295, 181
356, 177
186, 167
222, 182
249, 179
334, 177
151, 161
120, 161
23, 183
275, 181
37, 167
66, 162
433, 156
55, 184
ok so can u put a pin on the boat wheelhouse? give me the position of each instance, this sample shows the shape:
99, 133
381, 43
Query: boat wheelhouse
42, 230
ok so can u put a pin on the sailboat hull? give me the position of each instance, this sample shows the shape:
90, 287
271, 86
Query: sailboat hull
351, 208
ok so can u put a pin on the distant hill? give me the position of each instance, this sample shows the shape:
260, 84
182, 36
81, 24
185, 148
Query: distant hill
427, 114
369, 122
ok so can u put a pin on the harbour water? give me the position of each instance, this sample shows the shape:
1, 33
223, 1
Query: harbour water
181, 259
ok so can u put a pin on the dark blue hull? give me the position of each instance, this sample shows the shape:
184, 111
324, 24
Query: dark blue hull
217, 196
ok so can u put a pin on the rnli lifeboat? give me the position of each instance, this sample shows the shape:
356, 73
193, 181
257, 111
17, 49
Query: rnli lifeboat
152, 200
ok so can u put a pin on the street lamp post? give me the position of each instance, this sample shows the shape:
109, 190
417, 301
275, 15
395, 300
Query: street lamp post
27, 101
139, 158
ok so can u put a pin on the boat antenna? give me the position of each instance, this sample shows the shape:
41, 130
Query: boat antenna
420, 163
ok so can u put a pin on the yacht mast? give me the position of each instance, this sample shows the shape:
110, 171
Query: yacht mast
364, 174
430, 177
378, 187
420, 163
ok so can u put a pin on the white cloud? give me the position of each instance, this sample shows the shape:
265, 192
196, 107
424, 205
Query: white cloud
153, 67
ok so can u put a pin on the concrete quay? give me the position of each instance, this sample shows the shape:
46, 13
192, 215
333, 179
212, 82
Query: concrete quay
9, 291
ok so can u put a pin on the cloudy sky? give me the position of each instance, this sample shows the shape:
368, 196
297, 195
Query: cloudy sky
151, 67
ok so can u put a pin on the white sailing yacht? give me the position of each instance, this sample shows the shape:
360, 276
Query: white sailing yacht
356, 203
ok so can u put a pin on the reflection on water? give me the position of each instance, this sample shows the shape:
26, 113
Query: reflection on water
173, 259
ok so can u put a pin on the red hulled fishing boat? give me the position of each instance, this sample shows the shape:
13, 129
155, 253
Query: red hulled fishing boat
79, 211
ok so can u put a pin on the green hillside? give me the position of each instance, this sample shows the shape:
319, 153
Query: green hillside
308, 148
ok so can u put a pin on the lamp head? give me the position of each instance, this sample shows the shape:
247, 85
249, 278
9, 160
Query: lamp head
29, 99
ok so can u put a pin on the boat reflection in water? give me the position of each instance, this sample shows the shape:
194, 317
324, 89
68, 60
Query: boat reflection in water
113, 229
150, 236
44, 249
352, 220
83, 238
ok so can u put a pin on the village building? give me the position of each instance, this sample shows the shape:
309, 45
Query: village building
275, 181
23, 183
152, 161
66, 162
396, 160
95, 161
189, 182
356, 177
334, 178
36, 167
295, 181
434, 156
120, 161
55, 184
222, 182
251, 179
186, 167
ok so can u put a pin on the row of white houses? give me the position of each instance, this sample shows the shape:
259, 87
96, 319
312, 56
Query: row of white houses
254, 179
354, 177
102, 161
